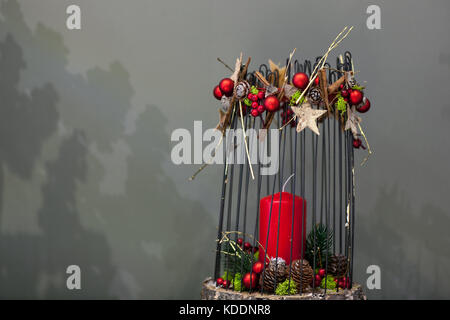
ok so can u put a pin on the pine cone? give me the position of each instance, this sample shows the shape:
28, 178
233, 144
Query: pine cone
337, 265
301, 273
273, 274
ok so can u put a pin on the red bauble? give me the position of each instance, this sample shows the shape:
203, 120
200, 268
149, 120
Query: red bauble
219, 281
227, 86
258, 267
356, 97
261, 95
261, 109
322, 273
255, 113
250, 280
247, 245
365, 106
300, 80
240, 241
316, 81
226, 283
272, 103
217, 93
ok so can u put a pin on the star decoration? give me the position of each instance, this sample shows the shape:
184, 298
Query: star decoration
281, 72
307, 117
352, 121
237, 69
222, 117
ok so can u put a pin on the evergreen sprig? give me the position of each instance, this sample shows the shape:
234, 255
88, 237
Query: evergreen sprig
318, 245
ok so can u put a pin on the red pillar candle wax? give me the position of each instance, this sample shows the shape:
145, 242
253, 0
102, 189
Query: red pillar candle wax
285, 226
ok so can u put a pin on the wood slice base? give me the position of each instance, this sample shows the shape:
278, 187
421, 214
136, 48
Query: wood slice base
211, 292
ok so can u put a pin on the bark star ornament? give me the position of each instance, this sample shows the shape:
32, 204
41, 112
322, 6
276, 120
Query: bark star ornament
352, 121
307, 117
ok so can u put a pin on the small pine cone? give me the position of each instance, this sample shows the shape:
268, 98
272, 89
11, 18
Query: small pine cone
273, 274
337, 265
301, 273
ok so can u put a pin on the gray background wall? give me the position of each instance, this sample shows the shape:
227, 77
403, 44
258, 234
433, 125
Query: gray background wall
86, 117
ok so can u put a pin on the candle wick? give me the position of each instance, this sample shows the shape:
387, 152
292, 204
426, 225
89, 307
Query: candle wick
287, 180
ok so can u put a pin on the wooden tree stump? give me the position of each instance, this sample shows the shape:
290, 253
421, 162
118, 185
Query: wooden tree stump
211, 292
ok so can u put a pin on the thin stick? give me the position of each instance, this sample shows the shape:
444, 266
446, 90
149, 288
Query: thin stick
369, 151
245, 140
227, 66
203, 166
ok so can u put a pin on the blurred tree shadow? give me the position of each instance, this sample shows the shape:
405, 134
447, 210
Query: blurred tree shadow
161, 241
33, 266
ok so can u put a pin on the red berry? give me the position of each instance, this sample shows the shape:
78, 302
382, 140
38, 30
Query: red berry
226, 283
254, 113
318, 277
240, 241
247, 245
357, 143
322, 273
261, 95
217, 93
261, 109
254, 104
341, 86
365, 106
254, 98
272, 103
344, 93
300, 80
250, 280
249, 96
227, 86
219, 281
258, 267
356, 97
317, 283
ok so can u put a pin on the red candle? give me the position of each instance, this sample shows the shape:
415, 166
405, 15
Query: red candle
284, 234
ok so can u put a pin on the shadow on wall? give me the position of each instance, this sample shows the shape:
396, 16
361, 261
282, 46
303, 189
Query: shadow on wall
150, 241
410, 247
34, 266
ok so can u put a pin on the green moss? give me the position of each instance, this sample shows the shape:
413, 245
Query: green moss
295, 97
360, 88
237, 282
256, 256
254, 90
283, 288
329, 282
341, 105
227, 276
247, 102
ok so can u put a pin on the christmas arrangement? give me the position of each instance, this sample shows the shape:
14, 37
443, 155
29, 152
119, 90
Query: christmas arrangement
285, 256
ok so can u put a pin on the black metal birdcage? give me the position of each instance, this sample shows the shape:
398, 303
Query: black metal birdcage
322, 170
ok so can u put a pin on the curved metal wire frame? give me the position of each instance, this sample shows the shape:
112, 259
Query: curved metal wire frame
328, 165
